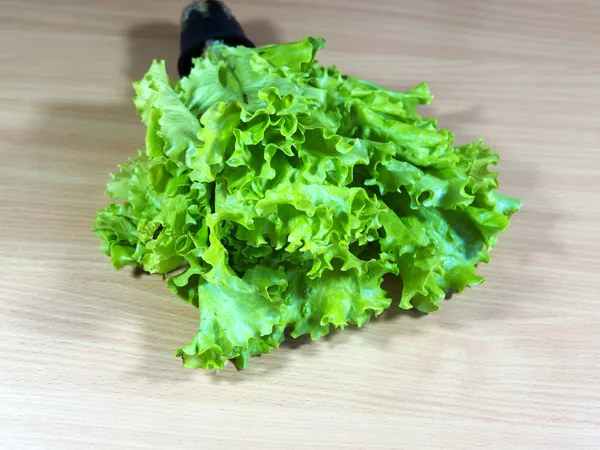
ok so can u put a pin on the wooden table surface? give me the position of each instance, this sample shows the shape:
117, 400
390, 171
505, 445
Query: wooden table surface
86, 351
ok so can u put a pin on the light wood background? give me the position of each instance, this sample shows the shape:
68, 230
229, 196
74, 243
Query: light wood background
86, 351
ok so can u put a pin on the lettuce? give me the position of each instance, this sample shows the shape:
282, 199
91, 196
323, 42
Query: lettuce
283, 192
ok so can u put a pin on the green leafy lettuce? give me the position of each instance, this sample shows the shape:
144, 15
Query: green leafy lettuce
282, 192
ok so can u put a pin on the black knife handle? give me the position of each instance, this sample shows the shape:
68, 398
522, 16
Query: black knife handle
208, 20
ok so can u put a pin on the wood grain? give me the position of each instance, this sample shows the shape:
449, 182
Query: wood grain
86, 352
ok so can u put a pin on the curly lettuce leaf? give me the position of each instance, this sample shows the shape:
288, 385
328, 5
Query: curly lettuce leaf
283, 192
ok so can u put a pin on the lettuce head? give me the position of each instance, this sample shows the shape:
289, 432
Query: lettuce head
274, 194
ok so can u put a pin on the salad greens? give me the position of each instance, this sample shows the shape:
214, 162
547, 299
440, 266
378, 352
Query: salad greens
282, 192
